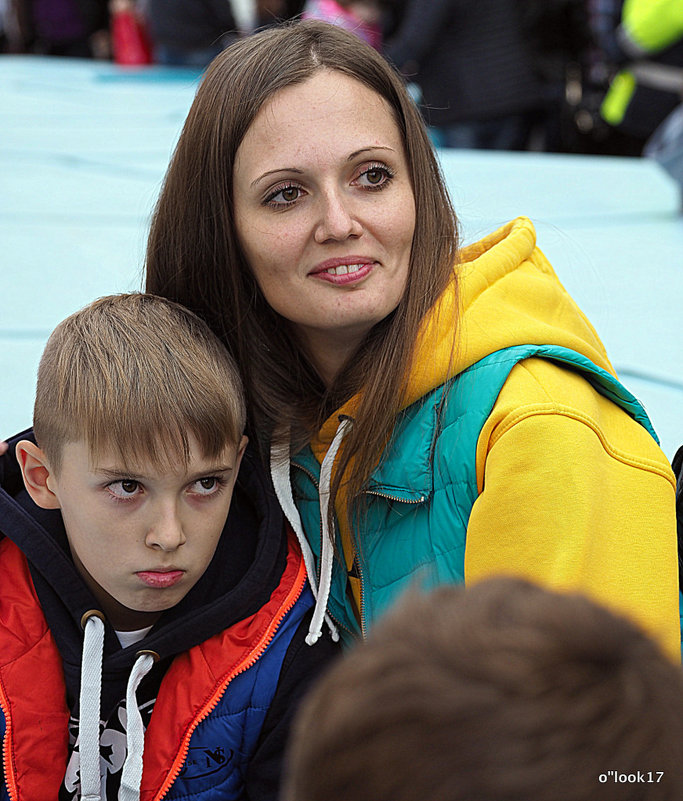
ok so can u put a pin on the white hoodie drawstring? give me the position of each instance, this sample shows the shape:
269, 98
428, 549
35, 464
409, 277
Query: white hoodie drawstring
131, 776
279, 470
327, 551
279, 467
91, 690
89, 726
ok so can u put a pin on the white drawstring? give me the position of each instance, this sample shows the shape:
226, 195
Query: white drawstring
131, 776
279, 468
327, 551
91, 690
89, 726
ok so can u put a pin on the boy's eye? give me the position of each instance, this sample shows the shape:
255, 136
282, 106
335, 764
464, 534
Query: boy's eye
124, 488
207, 485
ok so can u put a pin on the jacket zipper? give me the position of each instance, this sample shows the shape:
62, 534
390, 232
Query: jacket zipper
363, 627
10, 780
376, 493
256, 653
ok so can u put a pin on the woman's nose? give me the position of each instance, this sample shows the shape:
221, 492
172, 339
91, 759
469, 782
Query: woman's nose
165, 532
338, 220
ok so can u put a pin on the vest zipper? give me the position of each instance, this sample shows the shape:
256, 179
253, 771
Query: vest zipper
385, 496
361, 610
376, 493
256, 653
10, 779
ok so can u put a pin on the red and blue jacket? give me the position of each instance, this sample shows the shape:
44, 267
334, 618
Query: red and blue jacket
221, 706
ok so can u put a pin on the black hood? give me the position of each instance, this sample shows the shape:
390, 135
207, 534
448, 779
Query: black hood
246, 568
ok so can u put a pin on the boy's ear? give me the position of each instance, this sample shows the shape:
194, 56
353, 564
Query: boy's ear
240, 451
38, 477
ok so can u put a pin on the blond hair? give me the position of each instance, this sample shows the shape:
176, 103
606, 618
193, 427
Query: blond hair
138, 374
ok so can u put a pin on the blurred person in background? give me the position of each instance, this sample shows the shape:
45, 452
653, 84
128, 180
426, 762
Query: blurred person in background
74, 28
272, 12
361, 18
648, 49
190, 33
557, 34
4, 18
473, 67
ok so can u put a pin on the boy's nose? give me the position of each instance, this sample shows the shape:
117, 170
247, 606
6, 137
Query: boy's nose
166, 530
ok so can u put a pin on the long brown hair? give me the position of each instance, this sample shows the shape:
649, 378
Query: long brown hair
194, 256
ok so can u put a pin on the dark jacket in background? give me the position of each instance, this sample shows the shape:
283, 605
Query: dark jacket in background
469, 59
190, 24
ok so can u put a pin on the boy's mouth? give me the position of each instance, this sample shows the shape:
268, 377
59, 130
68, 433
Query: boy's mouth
160, 579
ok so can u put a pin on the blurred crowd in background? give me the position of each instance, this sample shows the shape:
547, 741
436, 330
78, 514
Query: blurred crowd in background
572, 76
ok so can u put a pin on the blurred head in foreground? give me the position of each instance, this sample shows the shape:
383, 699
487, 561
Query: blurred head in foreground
503, 691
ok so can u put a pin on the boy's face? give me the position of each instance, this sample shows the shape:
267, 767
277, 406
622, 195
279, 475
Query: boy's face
142, 537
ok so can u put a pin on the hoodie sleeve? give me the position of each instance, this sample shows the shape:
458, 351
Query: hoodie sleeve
576, 495
301, 666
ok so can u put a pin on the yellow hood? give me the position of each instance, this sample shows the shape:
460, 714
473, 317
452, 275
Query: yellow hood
506, 294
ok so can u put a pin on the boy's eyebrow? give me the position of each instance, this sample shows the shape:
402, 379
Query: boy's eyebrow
209, 471
118, 473
113, 472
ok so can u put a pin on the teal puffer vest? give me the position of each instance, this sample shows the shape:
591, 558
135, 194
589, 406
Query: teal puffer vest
420, 496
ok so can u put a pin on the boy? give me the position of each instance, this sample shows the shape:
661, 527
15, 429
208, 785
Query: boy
499, 692
129, 599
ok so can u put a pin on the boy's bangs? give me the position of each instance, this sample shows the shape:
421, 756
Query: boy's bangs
164, 443
137, 376
153, 422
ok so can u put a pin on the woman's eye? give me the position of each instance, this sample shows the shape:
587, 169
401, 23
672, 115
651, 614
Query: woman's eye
125, 488
290, 194
284, 196
206, 486
375, 177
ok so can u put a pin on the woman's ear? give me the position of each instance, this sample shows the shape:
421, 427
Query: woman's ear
37, 474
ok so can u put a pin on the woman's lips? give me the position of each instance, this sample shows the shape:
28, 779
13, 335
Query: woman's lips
160, 579
345, 270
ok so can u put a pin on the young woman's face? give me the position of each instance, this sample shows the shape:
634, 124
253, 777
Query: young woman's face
324, 209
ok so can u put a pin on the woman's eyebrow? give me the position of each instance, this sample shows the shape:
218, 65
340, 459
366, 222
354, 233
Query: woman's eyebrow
274, 172
370, 148
297, 171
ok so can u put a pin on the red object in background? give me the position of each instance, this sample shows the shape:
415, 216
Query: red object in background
130, 41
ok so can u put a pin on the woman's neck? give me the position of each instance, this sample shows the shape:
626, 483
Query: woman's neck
329, 354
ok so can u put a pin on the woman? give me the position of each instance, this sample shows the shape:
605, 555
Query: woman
449, 413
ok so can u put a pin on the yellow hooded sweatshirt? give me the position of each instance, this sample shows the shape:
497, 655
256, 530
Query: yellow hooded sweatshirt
573, 493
